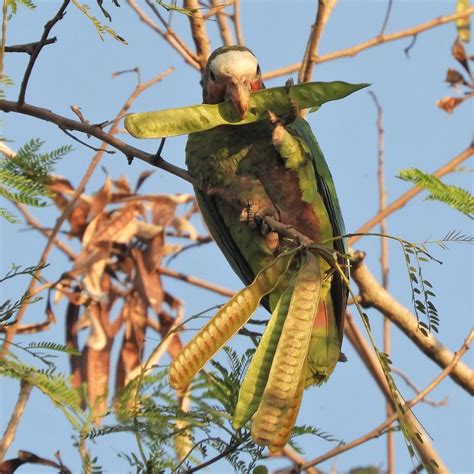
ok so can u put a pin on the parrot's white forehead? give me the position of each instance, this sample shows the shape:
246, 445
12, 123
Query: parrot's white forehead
235, 63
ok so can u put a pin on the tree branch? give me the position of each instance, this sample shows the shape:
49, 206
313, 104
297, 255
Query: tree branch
168, 34
198, 31
28, 48
376, 41
223, 23
10, 432
238, 24
95, 131
42, 42
402, 200
196, 281
325, 8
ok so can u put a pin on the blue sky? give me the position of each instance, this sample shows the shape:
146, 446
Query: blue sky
77, 70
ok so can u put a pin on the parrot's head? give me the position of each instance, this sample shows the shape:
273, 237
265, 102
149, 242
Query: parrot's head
231, 73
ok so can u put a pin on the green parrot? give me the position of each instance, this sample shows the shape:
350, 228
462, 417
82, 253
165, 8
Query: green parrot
271, 168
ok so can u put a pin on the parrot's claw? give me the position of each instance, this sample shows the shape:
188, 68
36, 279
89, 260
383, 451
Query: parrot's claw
287, 119
254, 215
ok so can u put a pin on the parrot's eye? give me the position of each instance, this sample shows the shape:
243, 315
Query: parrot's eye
212, 76
258, 70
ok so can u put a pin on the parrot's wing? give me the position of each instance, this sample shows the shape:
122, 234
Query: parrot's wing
220, 233
328, 192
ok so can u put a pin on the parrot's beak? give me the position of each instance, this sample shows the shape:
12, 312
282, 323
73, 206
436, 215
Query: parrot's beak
239, 95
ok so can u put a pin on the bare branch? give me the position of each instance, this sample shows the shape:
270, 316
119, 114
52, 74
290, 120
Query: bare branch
402, 200
384, 254
376, 41
10, 432
387, 16
198, 31
325, 8
238, 24
411, 384
34, 55
223, 22
168, 34
196, 281
28, 48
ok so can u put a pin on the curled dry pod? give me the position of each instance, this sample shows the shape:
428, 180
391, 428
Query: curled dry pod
253, 385
196, 118
284, 380
226, 323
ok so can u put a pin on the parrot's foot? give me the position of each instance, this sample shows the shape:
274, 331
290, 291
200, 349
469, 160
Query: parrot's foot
254, 215
287, 119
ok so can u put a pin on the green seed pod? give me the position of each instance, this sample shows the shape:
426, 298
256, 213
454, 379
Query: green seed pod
196, 118
253, 385
284, 381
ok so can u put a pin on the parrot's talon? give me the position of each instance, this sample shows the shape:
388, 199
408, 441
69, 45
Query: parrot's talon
289, 82
273, 117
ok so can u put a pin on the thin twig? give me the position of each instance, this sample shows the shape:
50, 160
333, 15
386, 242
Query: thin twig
198, 31
387, 16
223, 23
4, 35
384, 263
442, 403
168, 35
34, 55
402, 200
376, 41
47, 233
325, 8
239, 34
28, 48
10, 431
196, 282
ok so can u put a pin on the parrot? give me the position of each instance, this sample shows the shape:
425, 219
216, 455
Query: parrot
275, 169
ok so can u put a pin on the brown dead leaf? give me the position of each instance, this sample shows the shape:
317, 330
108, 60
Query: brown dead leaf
141, 179
454, 78
133, 339
184, 227
96, 360
147, 282
72, 317
101, 198
459, 54
123, 186
449, 103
